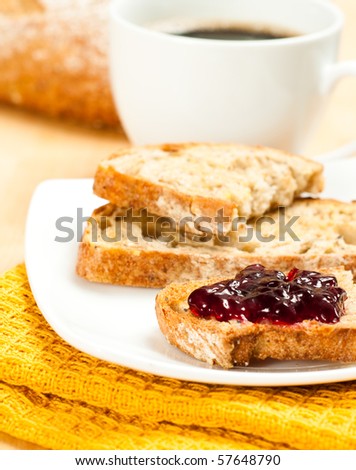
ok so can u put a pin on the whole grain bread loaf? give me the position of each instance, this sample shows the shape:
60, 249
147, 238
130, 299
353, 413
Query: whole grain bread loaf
53, 59
230, 343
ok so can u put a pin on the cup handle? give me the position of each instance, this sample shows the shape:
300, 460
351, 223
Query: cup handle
336, 72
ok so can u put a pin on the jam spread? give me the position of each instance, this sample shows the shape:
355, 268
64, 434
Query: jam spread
259, 295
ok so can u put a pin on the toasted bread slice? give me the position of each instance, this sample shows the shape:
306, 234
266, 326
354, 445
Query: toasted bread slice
323, 237
230, 343
190, 181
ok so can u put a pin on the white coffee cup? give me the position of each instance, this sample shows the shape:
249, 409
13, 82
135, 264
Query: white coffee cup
169, 88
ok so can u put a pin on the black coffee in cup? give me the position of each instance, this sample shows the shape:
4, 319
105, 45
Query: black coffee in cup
222, 30
235, 33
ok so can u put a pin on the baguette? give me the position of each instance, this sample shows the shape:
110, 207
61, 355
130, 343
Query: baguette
53, 59
230, 343
198, 180
326, 232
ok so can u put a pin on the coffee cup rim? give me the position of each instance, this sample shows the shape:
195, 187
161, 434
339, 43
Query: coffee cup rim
299, 39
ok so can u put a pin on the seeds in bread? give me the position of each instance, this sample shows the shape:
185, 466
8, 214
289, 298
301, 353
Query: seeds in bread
325, 228
198, 180
230, 343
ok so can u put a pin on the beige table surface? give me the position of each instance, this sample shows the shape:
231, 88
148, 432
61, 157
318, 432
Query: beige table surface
33, 149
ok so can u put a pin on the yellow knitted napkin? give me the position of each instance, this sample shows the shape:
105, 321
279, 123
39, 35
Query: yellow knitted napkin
60, 398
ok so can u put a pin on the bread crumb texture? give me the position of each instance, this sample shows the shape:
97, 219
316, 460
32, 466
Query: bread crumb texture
250, 179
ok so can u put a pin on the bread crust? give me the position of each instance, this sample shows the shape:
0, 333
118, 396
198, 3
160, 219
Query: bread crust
121, 266
231, 343
129, 191
136, 265
53, 60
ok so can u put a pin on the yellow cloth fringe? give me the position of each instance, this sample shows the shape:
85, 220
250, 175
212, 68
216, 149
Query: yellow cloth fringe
58, 397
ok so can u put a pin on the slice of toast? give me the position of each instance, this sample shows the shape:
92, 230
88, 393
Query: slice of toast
190, 181
112, 251
231, 343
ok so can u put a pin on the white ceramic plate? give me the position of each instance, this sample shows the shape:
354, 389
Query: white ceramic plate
118, 324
